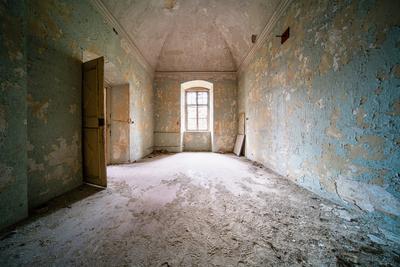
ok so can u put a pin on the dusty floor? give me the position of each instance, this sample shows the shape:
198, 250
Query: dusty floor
195, 209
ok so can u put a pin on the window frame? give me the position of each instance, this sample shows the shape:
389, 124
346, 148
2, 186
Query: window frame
197, 105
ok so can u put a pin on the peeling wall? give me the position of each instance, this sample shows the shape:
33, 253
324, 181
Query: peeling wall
59, 32
323, 108
119, 124
167, 89
197, 141
141, 112
13, 179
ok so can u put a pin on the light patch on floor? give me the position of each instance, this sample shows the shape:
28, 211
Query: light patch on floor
195, 209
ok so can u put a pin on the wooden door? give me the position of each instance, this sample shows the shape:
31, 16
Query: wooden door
108, 124
93, 143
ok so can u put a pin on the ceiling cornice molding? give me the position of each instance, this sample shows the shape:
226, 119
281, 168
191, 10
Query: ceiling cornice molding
106, 13
196, 74
265, 34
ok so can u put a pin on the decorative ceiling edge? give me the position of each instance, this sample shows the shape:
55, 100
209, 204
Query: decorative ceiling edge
103, 10
265, 34
196, 74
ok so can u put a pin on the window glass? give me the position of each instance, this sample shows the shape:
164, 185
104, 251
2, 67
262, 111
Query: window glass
203, 124
191, 98
192, 112
202, 112
192, 124
202, 98
197, 111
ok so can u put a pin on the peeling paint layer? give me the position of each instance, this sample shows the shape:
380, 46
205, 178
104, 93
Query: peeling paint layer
323, 107
13, 89
59, 34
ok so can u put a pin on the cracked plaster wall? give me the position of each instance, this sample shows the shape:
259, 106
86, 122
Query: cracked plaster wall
59, 32
41, 50
323, 108
13, 162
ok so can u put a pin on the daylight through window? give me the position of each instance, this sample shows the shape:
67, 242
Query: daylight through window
197, 110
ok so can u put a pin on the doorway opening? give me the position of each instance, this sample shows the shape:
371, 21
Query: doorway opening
197, 116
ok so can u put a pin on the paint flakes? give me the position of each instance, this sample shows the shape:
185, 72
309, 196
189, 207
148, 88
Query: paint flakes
332, 130
368, 197
360, 116
33, 166
396, 71
375, 146
169, 4
38, 109
321, 103
63, 161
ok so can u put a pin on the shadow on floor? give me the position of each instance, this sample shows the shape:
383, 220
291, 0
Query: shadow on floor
61, 202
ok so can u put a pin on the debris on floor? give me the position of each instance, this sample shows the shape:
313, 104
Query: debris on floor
198, 209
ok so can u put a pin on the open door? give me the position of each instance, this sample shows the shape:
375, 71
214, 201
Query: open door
93, 140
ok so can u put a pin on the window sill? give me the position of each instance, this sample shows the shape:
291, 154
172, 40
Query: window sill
206, 131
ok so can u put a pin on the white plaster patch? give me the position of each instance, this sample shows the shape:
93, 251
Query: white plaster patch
368, 197
335, 63
321, 103
64, 159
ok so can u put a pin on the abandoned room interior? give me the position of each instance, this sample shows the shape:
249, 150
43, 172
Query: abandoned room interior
200, 133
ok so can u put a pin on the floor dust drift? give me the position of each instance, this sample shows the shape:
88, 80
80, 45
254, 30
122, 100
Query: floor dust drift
197, 209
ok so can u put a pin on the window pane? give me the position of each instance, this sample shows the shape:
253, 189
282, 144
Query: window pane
202, 97
203, 112
192, 124
191, 98
202, 124
191, 112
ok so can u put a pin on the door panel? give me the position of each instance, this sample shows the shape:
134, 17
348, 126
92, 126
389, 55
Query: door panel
108, 124
93, 141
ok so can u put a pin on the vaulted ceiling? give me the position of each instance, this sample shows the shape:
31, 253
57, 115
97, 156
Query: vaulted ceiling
192, 35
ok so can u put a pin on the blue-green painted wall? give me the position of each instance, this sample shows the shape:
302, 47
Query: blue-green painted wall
13, 179
42, 45
324, 108
59, 33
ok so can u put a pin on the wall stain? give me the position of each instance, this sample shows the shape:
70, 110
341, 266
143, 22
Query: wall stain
323, 107
39, 109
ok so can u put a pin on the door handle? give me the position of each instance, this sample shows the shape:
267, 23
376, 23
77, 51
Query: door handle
101, 122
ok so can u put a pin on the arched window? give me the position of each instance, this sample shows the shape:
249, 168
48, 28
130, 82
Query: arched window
197, 109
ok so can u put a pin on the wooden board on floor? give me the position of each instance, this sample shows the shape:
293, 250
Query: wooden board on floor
239, 144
